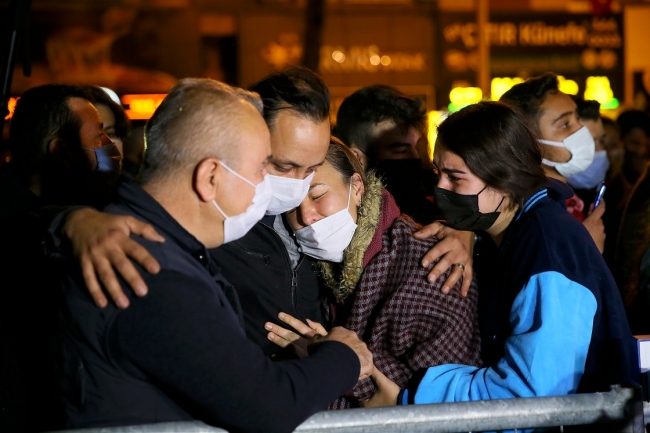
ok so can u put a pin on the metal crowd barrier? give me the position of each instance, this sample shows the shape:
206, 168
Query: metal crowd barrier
619, 411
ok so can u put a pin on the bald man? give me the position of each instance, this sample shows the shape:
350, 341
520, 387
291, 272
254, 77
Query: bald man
180, 353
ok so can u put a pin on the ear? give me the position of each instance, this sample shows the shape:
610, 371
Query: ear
357, 188
55, 147
206, 179
363, 159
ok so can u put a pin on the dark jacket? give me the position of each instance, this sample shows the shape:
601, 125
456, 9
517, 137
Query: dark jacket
180, 352
551, 318
267, 284
26, 305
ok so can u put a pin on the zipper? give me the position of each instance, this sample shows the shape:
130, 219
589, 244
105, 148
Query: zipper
294, 272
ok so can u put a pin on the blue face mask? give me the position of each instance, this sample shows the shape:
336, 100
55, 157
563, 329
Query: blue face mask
109, 162
594, 174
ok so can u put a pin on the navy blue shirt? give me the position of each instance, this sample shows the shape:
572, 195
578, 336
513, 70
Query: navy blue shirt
180, 352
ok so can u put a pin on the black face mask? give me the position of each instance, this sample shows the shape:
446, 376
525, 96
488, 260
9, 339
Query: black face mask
462, 212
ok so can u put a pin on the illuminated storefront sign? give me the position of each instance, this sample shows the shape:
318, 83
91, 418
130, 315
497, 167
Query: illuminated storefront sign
357, 58
574, 46
141, 107
463, 96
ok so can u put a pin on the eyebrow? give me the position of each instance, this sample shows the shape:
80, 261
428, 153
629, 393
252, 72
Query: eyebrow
452, 170
315, 185
398, 144
568, 113
293, 164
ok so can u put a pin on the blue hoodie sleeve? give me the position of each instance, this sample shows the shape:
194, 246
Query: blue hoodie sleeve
552, 319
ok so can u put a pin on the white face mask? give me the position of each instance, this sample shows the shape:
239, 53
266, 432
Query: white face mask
237, 226
288, 193
594, 175
326, 239
582, 147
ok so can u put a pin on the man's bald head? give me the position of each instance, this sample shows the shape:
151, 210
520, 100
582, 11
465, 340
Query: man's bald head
199, 118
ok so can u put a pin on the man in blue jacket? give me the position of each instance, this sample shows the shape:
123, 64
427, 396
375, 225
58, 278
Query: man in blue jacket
181, 353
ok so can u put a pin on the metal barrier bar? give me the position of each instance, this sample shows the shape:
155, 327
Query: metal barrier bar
621, 405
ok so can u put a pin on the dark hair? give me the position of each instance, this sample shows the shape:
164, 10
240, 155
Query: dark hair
497, 146
631, 119
529, 95
42, 113
362, 110
344, 161
587, 109
297, 89
97, 95
607, 121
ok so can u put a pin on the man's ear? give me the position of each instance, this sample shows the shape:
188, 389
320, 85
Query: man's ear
363, 159
207, 179
357, 188
55, 147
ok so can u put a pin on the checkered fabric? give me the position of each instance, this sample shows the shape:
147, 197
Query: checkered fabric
407, 323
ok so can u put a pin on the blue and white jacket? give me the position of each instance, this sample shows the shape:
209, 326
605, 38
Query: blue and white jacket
551, 317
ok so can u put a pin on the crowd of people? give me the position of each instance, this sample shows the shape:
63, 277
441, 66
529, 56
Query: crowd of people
256, 260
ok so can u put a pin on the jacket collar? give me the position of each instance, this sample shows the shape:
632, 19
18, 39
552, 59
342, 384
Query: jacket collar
143, 205
553, 189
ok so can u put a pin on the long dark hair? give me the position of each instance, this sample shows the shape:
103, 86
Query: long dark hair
496, 145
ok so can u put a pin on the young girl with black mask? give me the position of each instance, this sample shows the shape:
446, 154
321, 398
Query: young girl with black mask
551, 318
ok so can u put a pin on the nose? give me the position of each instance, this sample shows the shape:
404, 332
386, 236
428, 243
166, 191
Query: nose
307, 213
105, 139
413, 153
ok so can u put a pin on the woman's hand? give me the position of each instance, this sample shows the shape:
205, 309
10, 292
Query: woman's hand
102, 243
386, 391
297, 340
454, 248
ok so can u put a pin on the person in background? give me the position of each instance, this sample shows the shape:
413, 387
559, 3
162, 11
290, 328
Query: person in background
370, 263
613, 145
116, 124
181, 353
551, 318
638, 297
134, 150
630, 192
585, 183
567, 146
383, 126
61, 158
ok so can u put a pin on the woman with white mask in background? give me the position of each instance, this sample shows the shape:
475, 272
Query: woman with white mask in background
370, 262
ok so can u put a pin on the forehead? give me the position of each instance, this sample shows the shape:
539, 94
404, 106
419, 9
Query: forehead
106, 115
327, 174
299, 139
556, 104
388, 132
86, 111
447, 159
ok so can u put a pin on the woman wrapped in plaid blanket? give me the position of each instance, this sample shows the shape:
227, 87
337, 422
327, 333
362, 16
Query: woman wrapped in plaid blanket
371, 262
